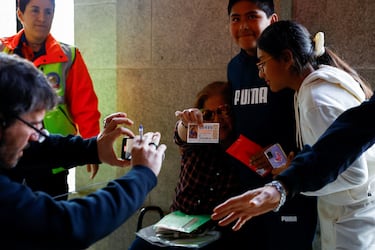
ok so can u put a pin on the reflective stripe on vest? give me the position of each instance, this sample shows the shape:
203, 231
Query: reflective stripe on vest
58, 120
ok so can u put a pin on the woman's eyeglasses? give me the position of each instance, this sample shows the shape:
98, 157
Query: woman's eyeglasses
42, 133
222, 110
261, 64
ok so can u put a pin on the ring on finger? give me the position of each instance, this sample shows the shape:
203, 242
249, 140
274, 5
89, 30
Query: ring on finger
153, 144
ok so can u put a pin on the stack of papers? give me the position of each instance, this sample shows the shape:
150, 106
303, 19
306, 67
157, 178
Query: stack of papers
180, 229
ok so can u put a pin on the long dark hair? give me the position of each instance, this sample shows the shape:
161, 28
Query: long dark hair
290, 35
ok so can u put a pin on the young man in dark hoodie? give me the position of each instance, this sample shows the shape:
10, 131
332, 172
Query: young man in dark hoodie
265, 118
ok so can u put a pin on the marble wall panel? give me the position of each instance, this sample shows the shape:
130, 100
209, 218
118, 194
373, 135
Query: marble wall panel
95, 32
95, 36
192, 34
134, 31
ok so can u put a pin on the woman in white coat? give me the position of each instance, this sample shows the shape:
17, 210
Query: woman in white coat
325, 86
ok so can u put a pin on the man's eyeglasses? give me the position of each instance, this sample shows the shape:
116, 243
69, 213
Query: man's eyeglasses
42, 133
222, 110
261, 64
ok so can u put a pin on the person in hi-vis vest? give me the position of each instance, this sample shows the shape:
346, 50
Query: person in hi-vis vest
77, 111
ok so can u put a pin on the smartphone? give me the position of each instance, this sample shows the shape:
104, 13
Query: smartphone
275, 155
126, 148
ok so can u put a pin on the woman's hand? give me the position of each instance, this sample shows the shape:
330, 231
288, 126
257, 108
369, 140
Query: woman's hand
277, 171
191, 115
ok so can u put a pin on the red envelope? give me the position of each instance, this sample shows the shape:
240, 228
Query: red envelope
242, 149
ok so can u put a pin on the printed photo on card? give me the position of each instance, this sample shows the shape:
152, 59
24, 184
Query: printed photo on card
207, 133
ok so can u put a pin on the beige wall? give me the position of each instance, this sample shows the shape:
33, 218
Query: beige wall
150, 57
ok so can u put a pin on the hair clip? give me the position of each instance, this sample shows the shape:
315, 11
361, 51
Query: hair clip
319, 49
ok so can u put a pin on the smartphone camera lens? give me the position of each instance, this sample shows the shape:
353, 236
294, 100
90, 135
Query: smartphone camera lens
269, 155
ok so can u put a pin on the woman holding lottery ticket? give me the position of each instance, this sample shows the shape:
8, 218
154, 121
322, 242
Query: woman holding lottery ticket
211, 110
206, 177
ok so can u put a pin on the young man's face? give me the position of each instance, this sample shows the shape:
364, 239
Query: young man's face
16, 137
247, 22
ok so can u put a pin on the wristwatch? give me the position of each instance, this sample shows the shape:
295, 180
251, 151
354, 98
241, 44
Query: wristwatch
279, 187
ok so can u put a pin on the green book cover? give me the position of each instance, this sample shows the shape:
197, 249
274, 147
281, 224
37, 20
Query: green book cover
181, 222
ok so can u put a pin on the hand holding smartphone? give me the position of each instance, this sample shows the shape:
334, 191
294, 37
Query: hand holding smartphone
126, 148
276, 155
258, 159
